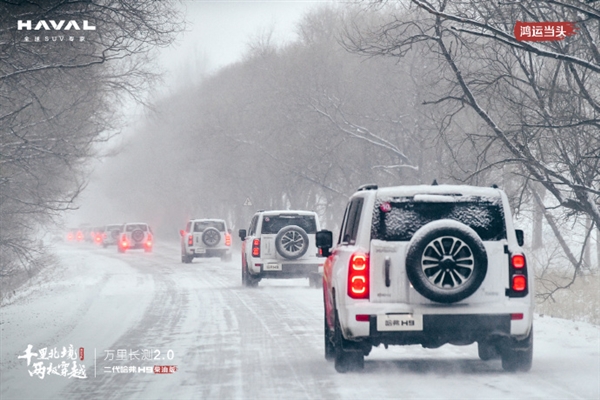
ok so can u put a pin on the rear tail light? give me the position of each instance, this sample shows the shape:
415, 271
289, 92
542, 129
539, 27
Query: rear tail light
519, 283
227, 239
518, 286
363, 317
518, 261
191, 240
124, 241
149, 240
256, 248
358, 276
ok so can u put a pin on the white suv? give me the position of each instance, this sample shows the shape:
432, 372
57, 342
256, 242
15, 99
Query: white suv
427, 265
281, 244
205, 238
135, 235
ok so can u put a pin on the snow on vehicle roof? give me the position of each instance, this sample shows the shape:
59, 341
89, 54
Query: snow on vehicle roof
277, 212
207, 219
456, 190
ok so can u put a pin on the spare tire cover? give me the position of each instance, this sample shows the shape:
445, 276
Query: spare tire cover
211, 237
446, 261
291, 242
137, 235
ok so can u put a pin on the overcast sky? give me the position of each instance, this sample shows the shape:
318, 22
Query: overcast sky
218, 32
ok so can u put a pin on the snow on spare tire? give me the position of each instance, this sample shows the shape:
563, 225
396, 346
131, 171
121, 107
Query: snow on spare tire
446, 261
211, 236
291, 242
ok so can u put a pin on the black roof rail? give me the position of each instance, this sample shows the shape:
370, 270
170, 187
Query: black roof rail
434, 183
368, 186
495, 186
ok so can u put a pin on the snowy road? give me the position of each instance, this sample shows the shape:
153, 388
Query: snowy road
232, 342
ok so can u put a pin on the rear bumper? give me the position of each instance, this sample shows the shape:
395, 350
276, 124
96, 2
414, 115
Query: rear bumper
457, 325
288, 270
209, 252
441, 329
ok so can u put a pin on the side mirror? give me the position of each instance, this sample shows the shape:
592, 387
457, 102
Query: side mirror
242, 234
520, 236
182, 233
324, 240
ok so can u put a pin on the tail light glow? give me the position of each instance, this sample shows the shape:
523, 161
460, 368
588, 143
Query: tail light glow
191, 240
519, 283
256, 248
358, 276
363, 317
227, 239
518, 261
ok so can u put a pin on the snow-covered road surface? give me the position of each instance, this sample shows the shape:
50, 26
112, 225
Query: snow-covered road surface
231, 342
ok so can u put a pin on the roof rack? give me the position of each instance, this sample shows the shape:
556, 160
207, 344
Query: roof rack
434, 183
368, 186
494, 186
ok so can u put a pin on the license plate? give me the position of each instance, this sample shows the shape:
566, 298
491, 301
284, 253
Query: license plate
273, 267
400, 322
200, 251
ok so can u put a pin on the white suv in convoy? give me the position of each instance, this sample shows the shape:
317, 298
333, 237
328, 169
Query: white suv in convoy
135, 235
205, 238
110, 234
427, 265
281, 244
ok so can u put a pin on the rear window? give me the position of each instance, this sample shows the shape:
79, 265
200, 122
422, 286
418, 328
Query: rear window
133, 227
113, 228
200, 226
484, 215
273, 223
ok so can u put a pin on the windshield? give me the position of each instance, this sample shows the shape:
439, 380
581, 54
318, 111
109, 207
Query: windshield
133, 227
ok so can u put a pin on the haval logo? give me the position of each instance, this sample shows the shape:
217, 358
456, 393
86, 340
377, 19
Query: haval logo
53, 25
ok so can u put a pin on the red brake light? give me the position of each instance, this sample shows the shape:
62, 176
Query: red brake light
363, 317
518, 261
519, 283
358, 276
256, 248
227, 239
191, 240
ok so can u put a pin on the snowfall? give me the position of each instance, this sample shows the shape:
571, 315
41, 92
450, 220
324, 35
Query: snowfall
150, 327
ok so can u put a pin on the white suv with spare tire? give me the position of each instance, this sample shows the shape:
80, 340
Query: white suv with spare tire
427, 265
205, 238
281, 245
135, 235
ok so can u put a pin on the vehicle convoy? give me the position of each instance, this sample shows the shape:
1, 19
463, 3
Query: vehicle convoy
135, 235
110, 234
280, 245
427, 265
205, 238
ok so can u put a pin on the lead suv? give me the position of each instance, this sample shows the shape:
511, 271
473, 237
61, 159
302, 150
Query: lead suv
135, 235
281, 244
427, 265
205, 238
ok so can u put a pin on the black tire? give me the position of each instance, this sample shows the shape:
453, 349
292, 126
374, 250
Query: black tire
211, 237
345, 361
446, 261
291, 242
244, 277
487, 351
329, 346
137, 235
517, 356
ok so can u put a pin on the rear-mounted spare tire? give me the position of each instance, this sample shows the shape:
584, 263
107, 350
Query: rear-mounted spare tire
446, 261
291, 242
137, 235
211, 237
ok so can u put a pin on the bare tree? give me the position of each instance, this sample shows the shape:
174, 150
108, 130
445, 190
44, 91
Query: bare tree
540, 103
60, 93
